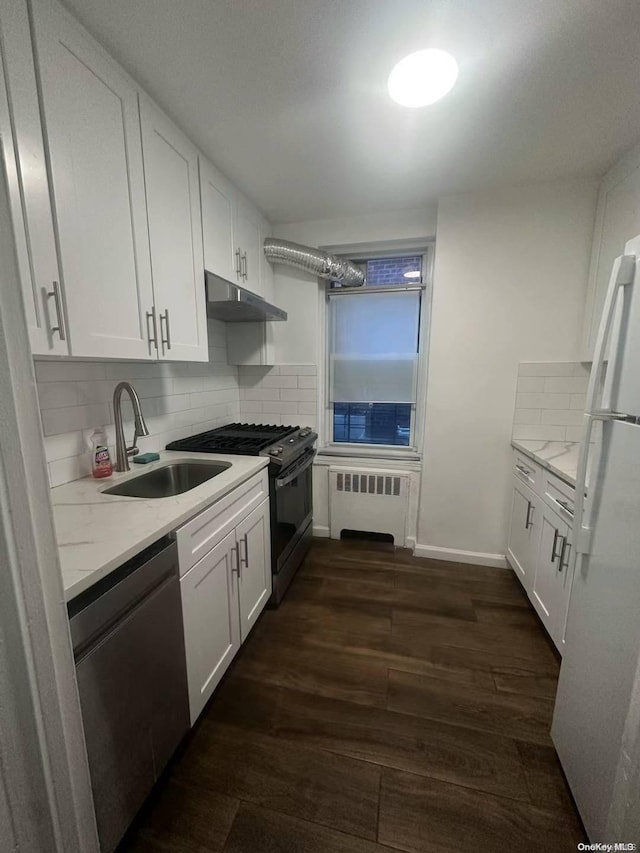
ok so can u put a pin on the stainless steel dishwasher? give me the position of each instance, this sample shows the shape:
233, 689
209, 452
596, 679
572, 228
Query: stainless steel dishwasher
128, 644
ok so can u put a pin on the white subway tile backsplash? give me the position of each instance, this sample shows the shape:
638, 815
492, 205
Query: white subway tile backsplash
565, 385
550, 400
561, 417
307, 381
547, 368
177, 400
298, 369
527, 416
308, 409
283, 395
58, 395
528, 384
302, 395
56, 421
261, 394
542, 401
539, 433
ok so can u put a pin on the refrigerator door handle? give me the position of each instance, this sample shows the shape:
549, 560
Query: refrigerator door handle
622, 275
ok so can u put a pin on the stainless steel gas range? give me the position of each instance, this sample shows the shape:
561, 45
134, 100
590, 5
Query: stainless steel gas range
291, 452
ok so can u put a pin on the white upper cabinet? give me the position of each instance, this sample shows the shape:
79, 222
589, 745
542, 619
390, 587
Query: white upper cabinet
26, 171
218, 210
93, 133
247, 231
233, 233
617, 220
175, 237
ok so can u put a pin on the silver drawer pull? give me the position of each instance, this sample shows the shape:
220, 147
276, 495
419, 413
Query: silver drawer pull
523, 470
164, 341
55, 295
565, 506
153, 338
529, 521
557, 538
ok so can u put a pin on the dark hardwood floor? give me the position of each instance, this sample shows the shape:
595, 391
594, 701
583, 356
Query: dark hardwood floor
391, 703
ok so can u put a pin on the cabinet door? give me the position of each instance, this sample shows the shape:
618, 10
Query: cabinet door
175, 236
211, 628
247, 222
25, 167
93, 132
524, 533
565, 580
547, 586
218, 201
254, 544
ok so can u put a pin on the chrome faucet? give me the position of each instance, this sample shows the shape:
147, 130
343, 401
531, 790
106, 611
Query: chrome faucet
140, 428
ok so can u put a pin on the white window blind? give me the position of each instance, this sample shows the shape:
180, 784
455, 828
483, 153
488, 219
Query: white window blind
374, 347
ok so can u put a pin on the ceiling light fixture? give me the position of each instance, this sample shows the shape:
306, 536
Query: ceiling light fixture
412, 274
422, 78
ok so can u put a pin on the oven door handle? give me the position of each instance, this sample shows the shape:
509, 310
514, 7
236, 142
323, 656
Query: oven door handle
307, 460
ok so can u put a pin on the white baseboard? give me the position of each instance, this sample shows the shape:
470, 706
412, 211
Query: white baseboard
410, 542
477, 558
321, 531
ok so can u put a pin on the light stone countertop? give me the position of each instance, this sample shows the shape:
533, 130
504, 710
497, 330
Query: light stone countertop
559, 457
97, 533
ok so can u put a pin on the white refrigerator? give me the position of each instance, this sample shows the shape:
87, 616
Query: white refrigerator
596, 723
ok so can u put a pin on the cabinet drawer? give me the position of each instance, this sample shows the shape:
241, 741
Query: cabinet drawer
198, 536
560, 496
526, 470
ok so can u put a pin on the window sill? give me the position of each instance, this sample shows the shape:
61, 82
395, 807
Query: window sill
332, 452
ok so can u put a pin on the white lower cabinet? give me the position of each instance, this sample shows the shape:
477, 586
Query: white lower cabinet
223, 594
540, 549
254, 558
524, 533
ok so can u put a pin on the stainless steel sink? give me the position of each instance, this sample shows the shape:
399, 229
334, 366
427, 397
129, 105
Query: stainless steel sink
172, 479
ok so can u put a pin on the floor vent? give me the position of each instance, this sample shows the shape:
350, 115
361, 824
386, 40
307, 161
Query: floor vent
375, 501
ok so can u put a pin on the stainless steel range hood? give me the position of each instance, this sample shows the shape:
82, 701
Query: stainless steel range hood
234, 304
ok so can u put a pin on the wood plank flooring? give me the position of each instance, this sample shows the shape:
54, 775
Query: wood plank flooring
391, 703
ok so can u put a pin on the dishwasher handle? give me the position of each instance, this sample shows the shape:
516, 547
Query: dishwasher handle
96, 611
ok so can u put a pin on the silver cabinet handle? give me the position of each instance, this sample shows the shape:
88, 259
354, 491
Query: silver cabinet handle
244, 562
564, 555
238, 264
164, 341
557, 538
565, 505
55, 294
523, 470
153, 338
235, 569
244, 266
529, 521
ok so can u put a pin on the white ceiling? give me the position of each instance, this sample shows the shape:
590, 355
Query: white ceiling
288, 97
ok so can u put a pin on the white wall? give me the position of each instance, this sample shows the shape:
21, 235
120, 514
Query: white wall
509, 285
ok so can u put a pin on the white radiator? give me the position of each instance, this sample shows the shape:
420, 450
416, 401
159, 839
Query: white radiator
369, 500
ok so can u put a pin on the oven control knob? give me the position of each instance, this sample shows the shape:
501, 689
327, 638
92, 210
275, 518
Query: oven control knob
292, 441
305, 431
276, 450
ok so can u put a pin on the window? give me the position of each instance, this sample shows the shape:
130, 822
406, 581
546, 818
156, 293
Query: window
373, 353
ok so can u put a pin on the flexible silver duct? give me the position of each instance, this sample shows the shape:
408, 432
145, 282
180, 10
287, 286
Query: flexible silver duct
313, 261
